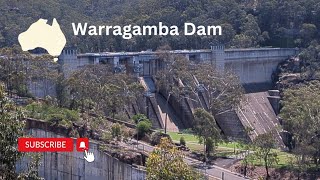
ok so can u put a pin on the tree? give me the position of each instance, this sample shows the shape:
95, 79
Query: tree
182, 141
11, 128
248, 156
245, 17
301, 117
223, 90
166, 162
241, 41
251, 34
116, 131
310, 61
143, 127
139, 117
206, 129
187, 79
20, 71
115, 92
32, 172
308, 33
264, 143
248, 148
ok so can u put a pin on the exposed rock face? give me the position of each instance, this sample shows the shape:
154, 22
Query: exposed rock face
288, 73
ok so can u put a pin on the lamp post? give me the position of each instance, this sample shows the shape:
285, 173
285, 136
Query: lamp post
138, 132
167, 107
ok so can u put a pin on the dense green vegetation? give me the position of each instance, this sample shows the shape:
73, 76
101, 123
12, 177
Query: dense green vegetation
302, 119
52, 113
99, 90
19, 69
11, 128
246, 23
166, 162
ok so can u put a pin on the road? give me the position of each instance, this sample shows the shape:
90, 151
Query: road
214, 172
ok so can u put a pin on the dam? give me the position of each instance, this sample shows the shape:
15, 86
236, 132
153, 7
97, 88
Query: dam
253, 66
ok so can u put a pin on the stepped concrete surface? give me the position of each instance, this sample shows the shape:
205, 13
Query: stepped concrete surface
148, 84
257, 114
151, 104
160, 109
231, 126
166, 111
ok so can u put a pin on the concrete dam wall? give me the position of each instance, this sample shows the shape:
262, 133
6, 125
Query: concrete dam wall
73, 166
252, 65
256, 65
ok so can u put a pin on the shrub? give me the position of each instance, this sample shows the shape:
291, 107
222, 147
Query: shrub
126, 135
139, 117
22, 90
144, 127
156, 137
65, 123
106, 136
116, 130
55, 118
51, 113
71, 115
182, 141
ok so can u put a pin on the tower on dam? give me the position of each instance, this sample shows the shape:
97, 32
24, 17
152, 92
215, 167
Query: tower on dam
218, 57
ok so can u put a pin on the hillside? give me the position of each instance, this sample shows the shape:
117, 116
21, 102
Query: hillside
245, 23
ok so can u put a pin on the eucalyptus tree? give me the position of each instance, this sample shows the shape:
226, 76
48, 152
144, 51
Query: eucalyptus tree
19, 69
99, 88
166, 162
222, 90
11, 128
264, 143
206, 129
301, 117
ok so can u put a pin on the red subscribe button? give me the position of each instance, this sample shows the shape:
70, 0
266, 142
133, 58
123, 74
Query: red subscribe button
45, 144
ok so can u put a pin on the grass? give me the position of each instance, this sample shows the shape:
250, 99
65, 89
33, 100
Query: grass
192, 139
227, 148
219, 152
285, 160
187, 137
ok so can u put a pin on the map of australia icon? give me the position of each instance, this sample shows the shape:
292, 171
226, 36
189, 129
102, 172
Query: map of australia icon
40, 34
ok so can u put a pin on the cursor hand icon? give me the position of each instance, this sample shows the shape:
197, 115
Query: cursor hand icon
89, 156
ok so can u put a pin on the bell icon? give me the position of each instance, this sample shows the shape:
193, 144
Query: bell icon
82, 145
